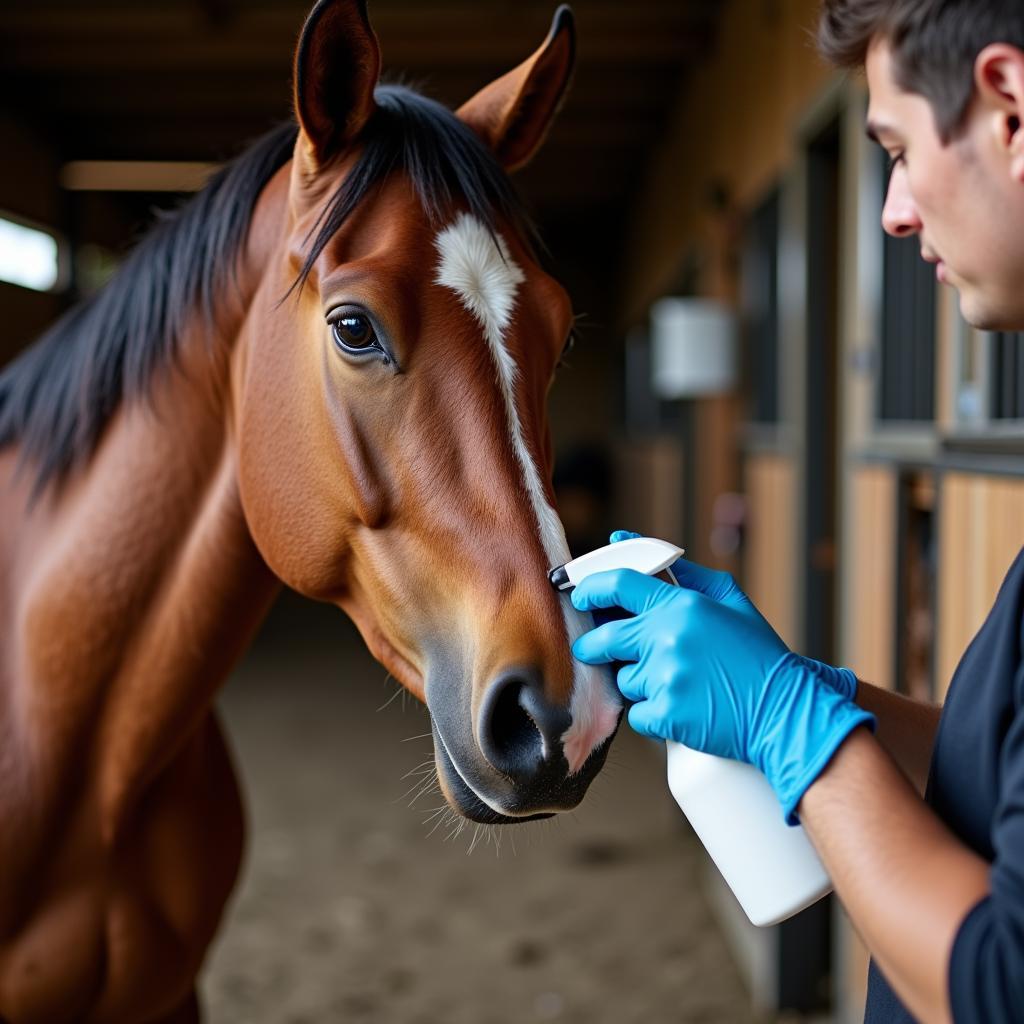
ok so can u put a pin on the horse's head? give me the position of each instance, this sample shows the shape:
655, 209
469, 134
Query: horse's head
394, 449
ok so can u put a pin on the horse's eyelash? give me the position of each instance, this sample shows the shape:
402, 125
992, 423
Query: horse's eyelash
570, 344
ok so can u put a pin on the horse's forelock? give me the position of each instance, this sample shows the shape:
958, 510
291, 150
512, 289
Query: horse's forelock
446, 163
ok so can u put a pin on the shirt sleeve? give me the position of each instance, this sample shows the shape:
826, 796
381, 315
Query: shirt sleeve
986, 970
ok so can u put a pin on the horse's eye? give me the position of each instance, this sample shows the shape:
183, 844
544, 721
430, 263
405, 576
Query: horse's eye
570, 344
354, 333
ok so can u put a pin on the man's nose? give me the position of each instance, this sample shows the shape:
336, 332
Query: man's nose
899, 215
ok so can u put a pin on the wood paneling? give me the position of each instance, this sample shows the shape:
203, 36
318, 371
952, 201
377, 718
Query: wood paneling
981, 529
732, 127
769, 562
870, 576
716, 473
650, 488
948, 312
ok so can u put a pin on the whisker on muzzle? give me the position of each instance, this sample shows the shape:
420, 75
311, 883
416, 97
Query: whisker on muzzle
391, 700
421, 769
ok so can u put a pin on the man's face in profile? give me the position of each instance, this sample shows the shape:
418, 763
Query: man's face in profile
963, 199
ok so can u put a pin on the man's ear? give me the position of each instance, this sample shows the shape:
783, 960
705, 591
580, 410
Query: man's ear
512, 114
337, 65
999, 80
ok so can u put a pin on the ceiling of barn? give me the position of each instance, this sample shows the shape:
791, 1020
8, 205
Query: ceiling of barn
194, 79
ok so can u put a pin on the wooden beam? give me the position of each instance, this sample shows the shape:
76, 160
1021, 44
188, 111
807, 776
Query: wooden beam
144, 37
616, 93
204, 135
135, 175
471, 18
139, 56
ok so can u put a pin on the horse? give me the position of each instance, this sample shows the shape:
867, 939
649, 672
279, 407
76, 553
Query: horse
329, 370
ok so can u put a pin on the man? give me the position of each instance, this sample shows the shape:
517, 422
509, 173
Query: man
934, 885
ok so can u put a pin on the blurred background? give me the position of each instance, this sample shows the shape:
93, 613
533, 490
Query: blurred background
760, 375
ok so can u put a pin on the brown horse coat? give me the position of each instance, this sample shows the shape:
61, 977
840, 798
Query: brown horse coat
374, 436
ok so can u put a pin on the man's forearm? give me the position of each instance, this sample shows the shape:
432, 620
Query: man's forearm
906, 729
905, 880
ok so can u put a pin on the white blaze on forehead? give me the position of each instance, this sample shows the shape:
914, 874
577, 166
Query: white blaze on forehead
476, 265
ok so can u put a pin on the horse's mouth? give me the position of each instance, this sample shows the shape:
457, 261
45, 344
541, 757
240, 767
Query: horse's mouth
554, 796
464, 798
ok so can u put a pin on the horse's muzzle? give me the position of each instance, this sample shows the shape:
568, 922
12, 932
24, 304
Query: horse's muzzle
510, 766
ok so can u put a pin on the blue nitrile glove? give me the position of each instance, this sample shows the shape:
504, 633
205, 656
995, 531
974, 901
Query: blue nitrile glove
842, 680
705, 669
722, 587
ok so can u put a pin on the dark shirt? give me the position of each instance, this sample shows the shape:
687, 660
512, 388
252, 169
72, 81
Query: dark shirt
976, 786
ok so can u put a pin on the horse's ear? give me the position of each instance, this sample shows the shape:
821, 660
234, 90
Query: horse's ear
337, 64
512, 114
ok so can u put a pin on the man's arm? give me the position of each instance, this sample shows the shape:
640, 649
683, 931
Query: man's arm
905, 880
704, 668
906, 729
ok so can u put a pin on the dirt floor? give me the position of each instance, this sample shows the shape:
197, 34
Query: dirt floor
359, 904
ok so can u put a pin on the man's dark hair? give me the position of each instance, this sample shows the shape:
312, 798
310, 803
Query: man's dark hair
934, 44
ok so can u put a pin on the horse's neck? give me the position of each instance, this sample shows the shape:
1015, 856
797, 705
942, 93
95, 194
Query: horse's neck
136, 588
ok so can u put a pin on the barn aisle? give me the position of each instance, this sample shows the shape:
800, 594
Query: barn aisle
353, 909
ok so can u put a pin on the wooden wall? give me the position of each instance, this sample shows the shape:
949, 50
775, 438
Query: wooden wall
981, 529
869, 577
649, 487
733, 126
770, 542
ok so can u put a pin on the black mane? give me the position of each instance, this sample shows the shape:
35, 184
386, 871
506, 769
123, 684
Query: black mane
57, 397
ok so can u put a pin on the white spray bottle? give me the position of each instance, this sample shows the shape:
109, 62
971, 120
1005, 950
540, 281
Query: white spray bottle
771, 867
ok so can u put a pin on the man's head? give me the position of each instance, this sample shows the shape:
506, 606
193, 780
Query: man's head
947, 102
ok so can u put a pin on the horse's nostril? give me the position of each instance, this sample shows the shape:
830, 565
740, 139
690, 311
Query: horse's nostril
512, 731
520, 730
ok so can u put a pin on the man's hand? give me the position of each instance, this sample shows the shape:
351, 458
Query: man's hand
706, 669
722, 587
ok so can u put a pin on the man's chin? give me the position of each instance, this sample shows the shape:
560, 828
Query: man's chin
986, 314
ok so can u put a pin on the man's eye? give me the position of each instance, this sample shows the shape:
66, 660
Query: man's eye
354, 333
